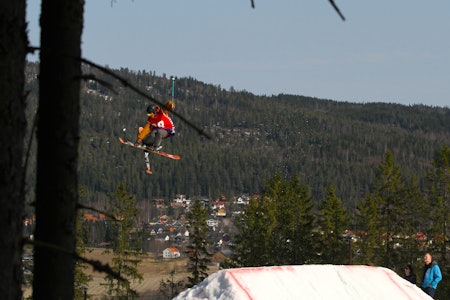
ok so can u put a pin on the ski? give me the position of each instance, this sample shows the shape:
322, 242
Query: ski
148, 149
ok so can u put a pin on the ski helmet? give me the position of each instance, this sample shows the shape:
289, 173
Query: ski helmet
150, 109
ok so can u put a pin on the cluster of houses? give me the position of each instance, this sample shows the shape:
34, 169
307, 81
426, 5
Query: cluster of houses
169, 235
181, 201
174, 232
218, 208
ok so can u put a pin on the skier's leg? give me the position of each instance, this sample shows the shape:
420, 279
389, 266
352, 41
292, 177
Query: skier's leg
147, 163
160, 134
149, 139
142, 133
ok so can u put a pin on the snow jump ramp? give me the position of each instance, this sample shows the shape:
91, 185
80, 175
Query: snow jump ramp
305, 282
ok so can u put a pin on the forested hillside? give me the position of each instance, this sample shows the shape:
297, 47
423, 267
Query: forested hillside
326, 143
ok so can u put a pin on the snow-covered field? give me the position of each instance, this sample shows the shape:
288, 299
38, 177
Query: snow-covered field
305, 282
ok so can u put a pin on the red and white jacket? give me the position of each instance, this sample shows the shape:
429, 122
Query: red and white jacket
162, 121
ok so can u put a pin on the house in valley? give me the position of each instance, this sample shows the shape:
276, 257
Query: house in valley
171, 253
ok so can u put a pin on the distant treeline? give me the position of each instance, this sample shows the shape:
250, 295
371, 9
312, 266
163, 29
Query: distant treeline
323, 142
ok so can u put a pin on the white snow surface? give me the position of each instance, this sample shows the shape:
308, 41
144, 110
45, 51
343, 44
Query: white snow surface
305, 282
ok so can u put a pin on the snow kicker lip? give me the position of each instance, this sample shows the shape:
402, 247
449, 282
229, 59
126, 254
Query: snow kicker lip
351, 282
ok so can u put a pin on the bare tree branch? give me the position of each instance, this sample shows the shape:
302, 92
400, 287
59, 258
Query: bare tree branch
81, 206
96, 265
337, 9
125, 83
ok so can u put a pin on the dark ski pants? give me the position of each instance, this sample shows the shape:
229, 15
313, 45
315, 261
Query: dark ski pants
154, 137
429, 291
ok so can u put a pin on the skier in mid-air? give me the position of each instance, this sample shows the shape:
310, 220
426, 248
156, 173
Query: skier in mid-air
158, 127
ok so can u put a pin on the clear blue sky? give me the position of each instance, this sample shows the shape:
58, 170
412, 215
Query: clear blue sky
386, 51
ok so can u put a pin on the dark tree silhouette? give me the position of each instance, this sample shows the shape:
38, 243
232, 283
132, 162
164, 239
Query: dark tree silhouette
13, 44
58, 136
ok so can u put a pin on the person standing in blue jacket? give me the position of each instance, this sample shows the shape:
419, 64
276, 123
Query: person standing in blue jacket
431, 275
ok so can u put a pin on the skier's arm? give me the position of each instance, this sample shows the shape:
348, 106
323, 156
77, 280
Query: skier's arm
437, 276
144, 132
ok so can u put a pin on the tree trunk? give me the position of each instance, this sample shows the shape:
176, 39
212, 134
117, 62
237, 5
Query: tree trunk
13, 44
58, 137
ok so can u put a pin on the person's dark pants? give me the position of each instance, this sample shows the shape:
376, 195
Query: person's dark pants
154, 137
429, 291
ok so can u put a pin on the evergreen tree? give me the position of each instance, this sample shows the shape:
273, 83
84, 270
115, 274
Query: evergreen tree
417, 221
292, 240
439, 181
198, 254
278, 228
122, 206
255, 230
390, 190
368, 231
169, 288
386, 215
334, 221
